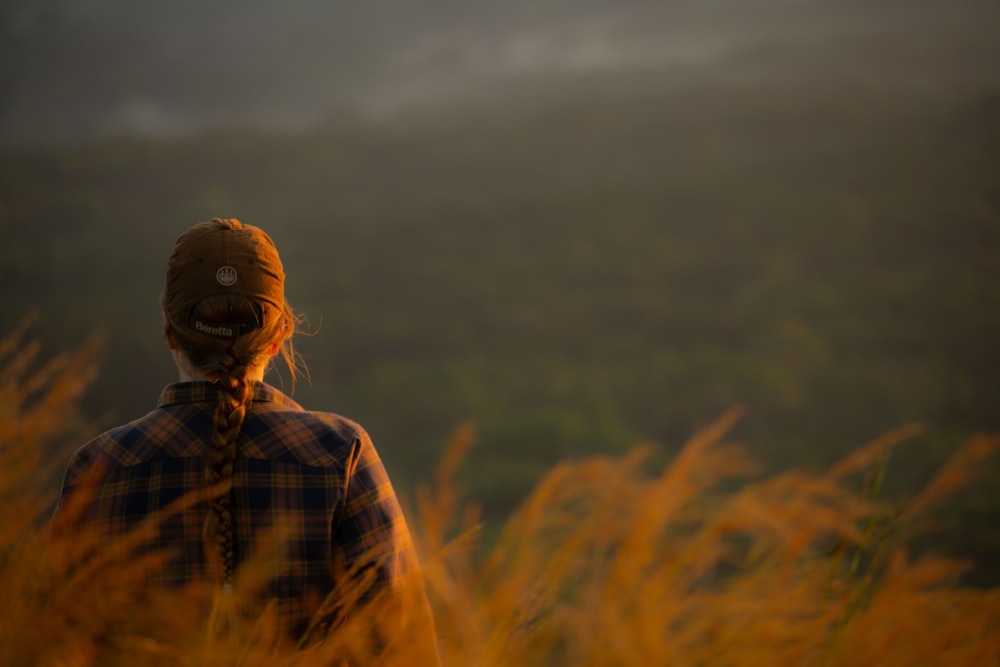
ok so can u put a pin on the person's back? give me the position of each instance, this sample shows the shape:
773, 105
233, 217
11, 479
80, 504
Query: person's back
313, 477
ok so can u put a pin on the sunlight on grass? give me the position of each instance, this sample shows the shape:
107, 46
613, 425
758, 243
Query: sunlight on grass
607, 562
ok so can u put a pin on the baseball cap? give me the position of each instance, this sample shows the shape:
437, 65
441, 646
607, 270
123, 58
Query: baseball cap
222, 257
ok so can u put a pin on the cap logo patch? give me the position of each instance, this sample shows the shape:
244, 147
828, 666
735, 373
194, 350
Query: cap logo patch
220, 330
226, 275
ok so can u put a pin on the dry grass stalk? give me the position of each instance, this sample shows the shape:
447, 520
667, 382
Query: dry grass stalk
605, 563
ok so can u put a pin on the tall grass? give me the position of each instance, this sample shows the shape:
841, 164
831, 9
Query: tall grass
608, 562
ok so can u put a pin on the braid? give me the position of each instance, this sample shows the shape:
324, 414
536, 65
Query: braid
233, 399
228, 365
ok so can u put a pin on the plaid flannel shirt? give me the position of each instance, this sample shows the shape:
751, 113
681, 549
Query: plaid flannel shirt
317, 474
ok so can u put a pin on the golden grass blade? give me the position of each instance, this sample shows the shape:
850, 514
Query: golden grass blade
607, 562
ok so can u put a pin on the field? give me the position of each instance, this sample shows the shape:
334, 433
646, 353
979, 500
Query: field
605, 563
576, 274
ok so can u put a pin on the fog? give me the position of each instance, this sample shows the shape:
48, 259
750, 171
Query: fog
75, 71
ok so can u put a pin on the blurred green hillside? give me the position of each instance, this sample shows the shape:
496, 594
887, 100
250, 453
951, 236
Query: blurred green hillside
602, 265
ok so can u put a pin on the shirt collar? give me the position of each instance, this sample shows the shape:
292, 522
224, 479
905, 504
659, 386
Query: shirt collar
205, 392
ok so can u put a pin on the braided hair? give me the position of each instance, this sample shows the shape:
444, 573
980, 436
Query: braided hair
228, 364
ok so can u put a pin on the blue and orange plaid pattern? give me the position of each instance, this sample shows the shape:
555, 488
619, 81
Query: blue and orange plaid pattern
314, 475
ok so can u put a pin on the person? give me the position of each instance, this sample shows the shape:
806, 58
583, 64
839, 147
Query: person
263, 459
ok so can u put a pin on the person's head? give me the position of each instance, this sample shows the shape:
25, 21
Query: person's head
224, 311
224, 305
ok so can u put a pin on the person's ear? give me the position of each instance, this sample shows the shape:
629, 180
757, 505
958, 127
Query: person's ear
166, 333
273, 348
